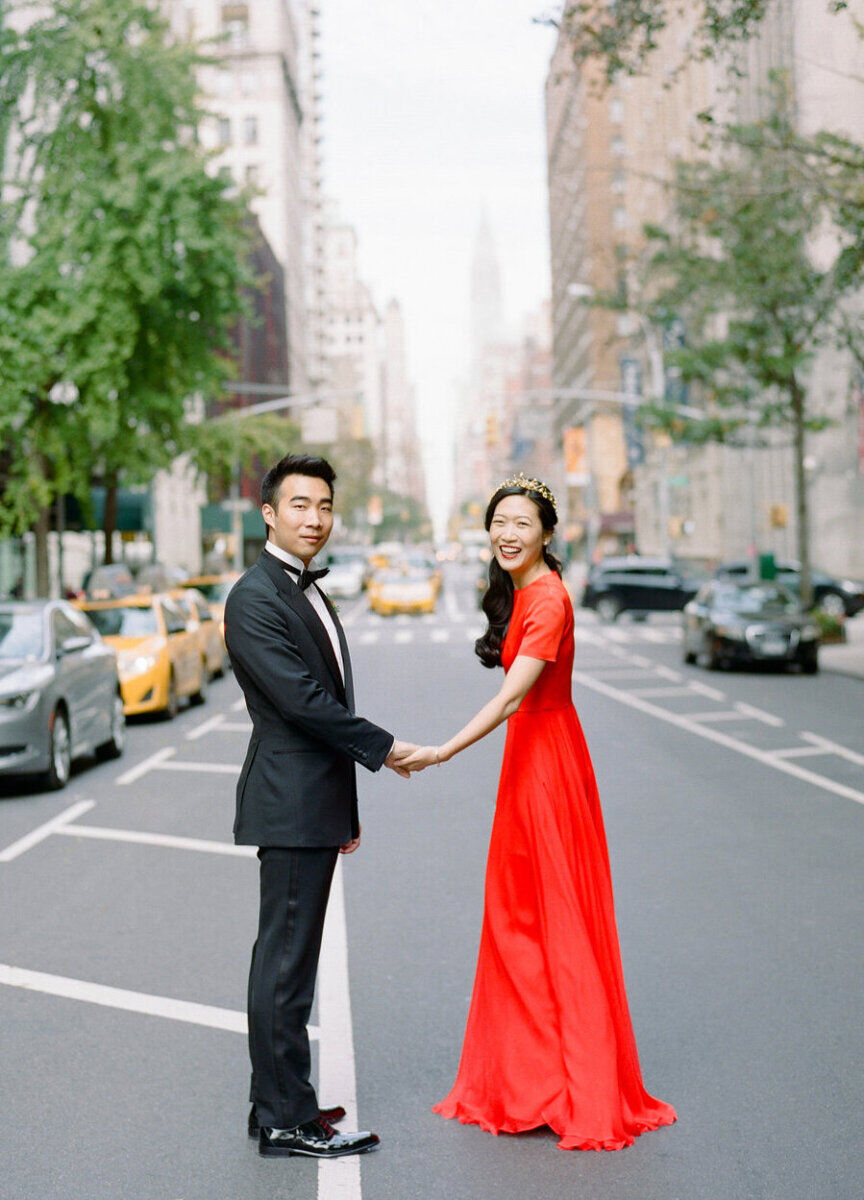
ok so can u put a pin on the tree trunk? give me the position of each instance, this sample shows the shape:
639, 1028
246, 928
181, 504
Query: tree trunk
40, 530
109, 517
801, 505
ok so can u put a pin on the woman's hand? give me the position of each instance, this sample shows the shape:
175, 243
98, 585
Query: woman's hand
420, 758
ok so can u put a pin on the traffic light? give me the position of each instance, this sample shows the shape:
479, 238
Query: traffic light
491, 429
778, 516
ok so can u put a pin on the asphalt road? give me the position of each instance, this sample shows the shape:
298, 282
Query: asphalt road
733, 805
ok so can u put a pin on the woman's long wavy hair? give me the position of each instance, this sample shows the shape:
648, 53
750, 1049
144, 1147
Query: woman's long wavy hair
498, 599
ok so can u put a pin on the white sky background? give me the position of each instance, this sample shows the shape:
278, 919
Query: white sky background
433, 108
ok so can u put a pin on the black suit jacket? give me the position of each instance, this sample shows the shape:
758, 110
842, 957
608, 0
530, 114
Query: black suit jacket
298, 785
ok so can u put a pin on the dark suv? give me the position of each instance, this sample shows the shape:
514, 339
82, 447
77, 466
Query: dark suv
641, 584
838, 597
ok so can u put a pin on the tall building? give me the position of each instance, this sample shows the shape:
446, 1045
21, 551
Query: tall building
487, 318
401, 466
253, 94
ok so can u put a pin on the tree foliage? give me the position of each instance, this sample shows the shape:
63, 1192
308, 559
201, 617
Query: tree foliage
736, 265
621, 35
122, 258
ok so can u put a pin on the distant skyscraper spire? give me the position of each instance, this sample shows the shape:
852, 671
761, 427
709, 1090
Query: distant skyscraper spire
487, 322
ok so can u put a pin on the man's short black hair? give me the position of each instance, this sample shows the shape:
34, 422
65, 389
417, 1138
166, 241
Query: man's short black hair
295, 464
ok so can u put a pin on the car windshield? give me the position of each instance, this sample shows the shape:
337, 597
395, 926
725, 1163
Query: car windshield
343, 556
133, 621
758, 599
21, 633
216, 592
401, 576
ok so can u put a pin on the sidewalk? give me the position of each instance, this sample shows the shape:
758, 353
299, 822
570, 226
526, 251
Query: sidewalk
848, 658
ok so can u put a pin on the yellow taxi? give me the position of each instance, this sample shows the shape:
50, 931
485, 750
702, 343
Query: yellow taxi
402, 589
158, 656
215, 589
202, 622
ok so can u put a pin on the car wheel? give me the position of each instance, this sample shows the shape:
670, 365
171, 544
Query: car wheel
689, 658
116, 744
833, 604
810, 666
173, 706
200, 696
608, 608
59, 751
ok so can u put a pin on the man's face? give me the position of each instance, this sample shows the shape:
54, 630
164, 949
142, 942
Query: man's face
301, 517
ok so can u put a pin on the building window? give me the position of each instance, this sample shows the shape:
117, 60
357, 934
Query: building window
235, 23
248, 83
619, 183
224, 83
223, 131
617, 146
253, 175
616, 110
619, 217
250, 131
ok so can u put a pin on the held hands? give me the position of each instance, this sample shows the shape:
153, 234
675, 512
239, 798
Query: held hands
394, 760
421, 758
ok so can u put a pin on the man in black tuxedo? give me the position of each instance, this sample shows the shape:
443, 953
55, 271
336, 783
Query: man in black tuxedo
297, 795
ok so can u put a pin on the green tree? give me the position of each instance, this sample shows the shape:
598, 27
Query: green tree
122, 261
735, 263
623, 34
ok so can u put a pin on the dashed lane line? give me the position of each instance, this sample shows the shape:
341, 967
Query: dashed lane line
55, 825
699, 729
218, 723
164, 840
146, 764
209, 1015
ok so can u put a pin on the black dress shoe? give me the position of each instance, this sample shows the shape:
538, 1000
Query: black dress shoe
331, 1115
315, 1139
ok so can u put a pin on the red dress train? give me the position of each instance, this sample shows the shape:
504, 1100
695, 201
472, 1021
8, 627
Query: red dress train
549, 1039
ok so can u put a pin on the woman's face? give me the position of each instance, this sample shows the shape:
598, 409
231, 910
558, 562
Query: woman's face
517, 534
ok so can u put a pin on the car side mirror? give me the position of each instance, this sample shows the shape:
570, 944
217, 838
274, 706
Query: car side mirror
72, 645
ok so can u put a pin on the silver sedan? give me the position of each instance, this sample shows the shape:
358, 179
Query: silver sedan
59, 691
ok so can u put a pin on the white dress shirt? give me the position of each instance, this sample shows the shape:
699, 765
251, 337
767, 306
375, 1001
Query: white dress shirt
314, 597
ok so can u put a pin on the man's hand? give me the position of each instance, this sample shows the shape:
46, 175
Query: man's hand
351, 846
420, 758
400, 750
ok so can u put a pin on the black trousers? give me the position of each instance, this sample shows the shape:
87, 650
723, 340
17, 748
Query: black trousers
295, 885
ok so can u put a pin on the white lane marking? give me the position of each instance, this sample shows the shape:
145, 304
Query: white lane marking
209, 1015
338, 1179
239, 705
834, 748
714, 735
403, 636
39, 834
802, 752
662, 691
705, 689
156, 839
206, 726
617, 635
209, 768
663, 672
146, 765
759, 714
454, 612
440, 635
624, 673
661, 636
639, 660
718, 715
368, 637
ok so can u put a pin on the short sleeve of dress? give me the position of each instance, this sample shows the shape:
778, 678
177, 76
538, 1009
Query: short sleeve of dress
543, 625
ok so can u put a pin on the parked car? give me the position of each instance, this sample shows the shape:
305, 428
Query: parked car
639, 584
215, 589
158, 657
106, 582
837, 597
402, 590
745, 623
200, 620
346, 555
345, 580
59, 691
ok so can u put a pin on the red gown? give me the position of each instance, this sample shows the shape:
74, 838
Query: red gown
549, 1039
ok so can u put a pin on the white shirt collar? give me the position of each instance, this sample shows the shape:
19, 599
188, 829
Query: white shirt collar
291, 559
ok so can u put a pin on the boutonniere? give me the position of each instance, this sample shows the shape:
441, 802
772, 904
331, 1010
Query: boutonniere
336, 608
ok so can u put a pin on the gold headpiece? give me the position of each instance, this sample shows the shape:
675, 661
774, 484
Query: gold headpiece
531, 485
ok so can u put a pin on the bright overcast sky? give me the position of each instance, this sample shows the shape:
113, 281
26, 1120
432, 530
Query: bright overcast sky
432, 109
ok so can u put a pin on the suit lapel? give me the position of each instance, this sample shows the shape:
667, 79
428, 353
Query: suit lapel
293, 596
343, 645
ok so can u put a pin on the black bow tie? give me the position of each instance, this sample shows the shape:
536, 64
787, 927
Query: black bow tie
305, 577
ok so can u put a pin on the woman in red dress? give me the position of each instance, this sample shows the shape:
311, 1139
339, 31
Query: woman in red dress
549, 1039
